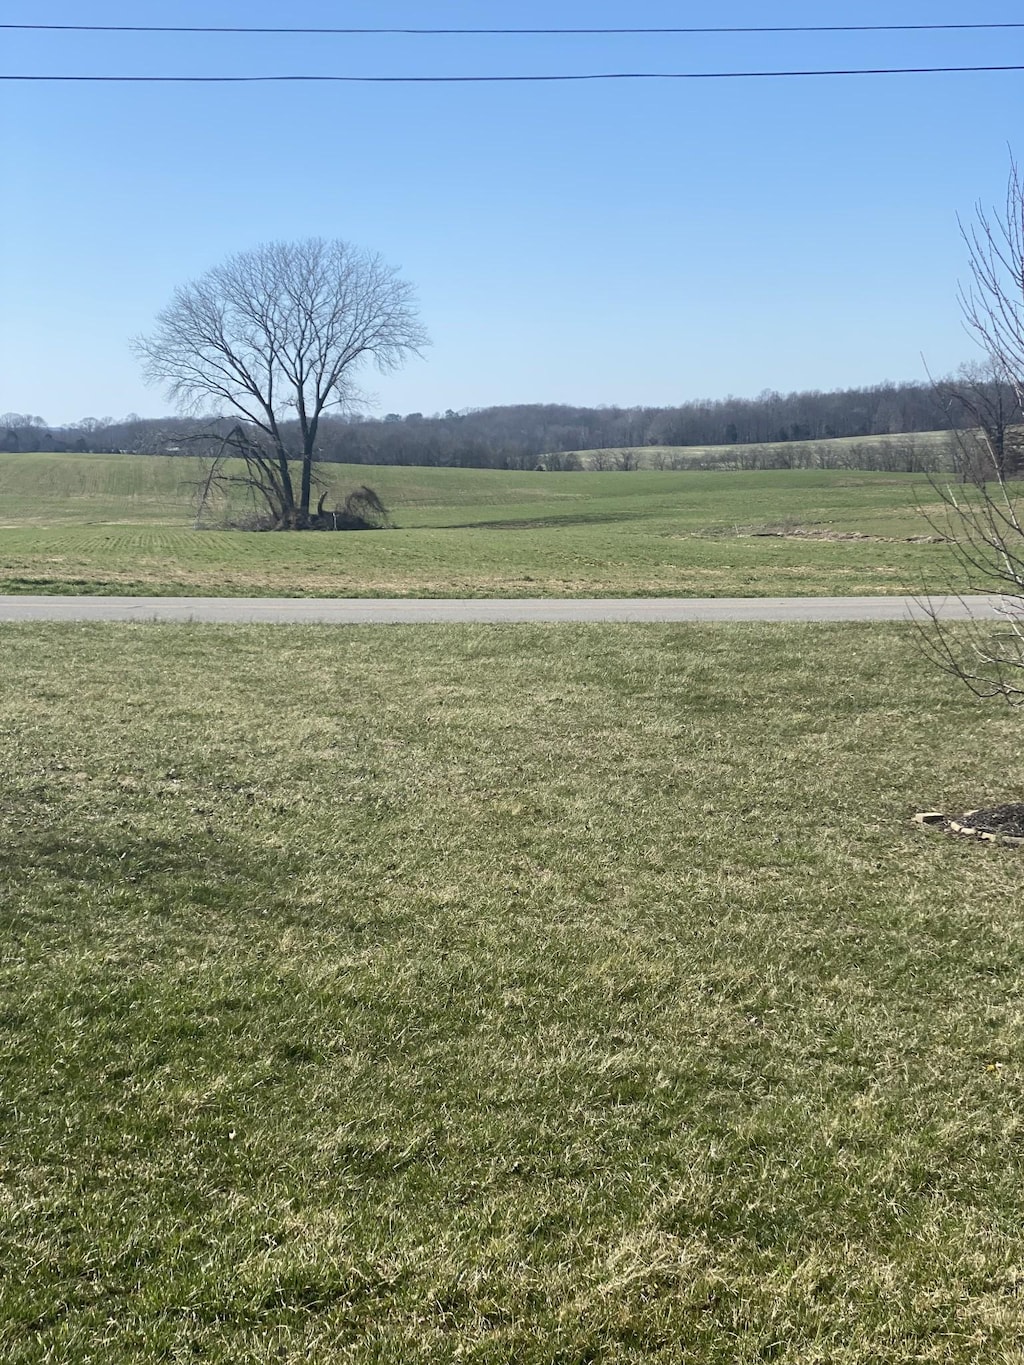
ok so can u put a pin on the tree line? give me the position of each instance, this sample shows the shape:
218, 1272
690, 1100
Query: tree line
522, 436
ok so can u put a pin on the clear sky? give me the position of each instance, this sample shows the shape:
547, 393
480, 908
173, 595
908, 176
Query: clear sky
606, 243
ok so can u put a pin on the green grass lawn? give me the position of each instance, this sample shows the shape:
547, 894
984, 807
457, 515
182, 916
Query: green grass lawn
123, 524
556, 995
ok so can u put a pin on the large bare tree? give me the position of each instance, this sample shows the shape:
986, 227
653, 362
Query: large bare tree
273, 336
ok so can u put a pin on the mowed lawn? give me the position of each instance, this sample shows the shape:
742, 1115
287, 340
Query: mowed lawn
124, 525
494, 994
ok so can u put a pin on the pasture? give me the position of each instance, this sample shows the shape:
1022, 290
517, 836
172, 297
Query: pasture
916, 449
487, 994
123, 524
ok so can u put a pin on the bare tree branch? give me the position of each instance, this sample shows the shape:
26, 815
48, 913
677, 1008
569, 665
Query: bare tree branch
981, 509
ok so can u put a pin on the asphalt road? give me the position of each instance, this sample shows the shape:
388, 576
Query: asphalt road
395, 611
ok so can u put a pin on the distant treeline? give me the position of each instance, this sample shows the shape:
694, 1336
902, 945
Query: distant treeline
548, 435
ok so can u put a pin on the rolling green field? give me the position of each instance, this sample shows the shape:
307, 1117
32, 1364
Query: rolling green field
123, 524
932, 447
557, 995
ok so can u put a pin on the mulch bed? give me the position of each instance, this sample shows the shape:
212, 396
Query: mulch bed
1002, 824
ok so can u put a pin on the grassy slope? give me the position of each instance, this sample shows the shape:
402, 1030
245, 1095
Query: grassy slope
548, 995
839, 451
121, 524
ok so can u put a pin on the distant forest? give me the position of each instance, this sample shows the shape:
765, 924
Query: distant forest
548, 435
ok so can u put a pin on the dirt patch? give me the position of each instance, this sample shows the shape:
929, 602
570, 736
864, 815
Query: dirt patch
1002, 824
810, 533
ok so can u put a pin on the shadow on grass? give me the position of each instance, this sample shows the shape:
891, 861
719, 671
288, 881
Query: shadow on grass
60, 875
543, 523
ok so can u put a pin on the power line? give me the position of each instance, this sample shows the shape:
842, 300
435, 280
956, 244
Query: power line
481, 80
505, 32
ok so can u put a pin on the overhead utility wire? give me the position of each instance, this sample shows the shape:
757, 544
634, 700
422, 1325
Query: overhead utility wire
549, 32
480, 80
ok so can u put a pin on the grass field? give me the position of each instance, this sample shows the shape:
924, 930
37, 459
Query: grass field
933, 449
122, 524
520, 994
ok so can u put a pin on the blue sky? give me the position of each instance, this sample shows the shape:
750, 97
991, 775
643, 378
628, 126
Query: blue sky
588, 243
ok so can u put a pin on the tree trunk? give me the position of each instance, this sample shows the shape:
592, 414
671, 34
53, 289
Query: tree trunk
288, 513
307, 483
309, 430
